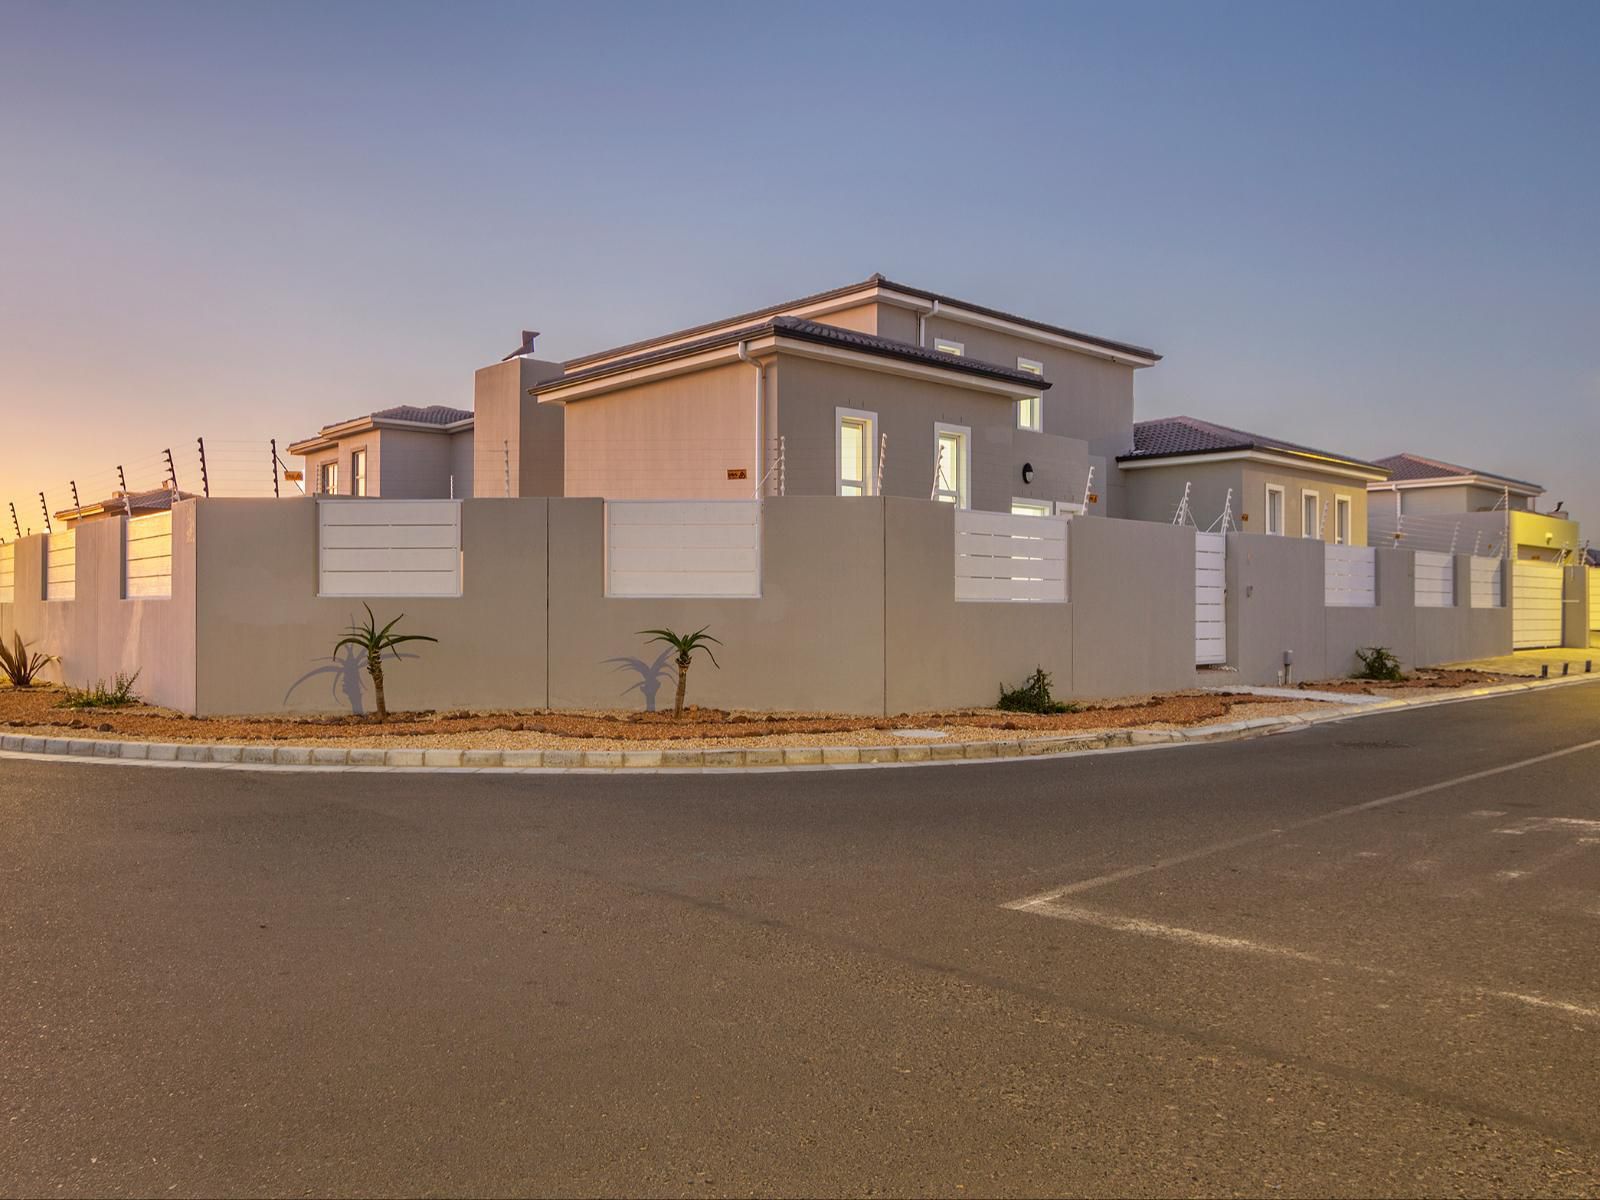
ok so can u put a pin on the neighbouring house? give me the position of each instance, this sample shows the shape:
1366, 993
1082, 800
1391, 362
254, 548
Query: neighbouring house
1268, 485
125, 504
401, 453
1429, 504
873, 388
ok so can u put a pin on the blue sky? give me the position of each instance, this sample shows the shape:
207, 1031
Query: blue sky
1369, 228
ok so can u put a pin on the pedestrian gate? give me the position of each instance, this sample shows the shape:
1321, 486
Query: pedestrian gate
1210, 598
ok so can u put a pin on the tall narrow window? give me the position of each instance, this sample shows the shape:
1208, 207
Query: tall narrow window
1341, 520
946, 346
1275, 510
855, 439
328, 479
952, 468
1030, 409
358, 473
1310, 514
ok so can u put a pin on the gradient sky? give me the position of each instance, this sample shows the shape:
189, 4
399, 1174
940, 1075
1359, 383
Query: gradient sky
1367, 228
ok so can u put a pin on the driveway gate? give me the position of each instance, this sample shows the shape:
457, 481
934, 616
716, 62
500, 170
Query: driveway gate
1535, 603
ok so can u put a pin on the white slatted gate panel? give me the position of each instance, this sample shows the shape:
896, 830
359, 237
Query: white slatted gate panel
8, 573
147, 557
1488, 590
1435, 579
1210, 598
61, 565
691, 548
388, 547
1350, 577
1010, 559
1535, 604
1594, 595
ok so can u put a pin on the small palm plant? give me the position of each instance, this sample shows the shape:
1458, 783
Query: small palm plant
372, 642
20, 667
685, 644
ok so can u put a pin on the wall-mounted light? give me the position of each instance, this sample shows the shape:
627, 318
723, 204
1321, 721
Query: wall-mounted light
1027, 472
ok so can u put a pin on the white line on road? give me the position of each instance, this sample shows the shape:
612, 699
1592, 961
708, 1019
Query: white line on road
1162, 864
1215, 941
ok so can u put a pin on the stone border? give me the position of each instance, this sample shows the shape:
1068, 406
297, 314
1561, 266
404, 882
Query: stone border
760, 757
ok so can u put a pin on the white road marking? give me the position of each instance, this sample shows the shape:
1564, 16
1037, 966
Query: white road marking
1235, 945
1085, 885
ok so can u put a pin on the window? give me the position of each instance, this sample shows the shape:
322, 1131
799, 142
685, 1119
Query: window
358, 473
1030, 409
328, 479
1310, 514
952, 468
945, 346
1341, 520
1274, 510
855, 441
1031, 508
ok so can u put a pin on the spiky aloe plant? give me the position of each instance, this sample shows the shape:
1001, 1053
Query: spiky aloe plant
685, 644
19, 666
372, 641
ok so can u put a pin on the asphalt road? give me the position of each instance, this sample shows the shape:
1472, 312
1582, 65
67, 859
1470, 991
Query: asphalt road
1359, 959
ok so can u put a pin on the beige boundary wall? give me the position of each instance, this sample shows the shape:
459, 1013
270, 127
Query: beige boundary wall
857, 613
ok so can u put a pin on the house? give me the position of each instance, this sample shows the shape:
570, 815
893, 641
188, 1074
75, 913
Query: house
1268, 485
403, 453
125, 504
874, 388
1429, 504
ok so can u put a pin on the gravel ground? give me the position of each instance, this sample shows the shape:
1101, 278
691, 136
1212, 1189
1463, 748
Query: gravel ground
35, 711
1415, 685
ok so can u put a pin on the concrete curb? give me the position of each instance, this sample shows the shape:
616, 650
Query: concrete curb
754, 758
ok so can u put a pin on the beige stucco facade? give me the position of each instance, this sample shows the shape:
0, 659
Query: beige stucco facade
518, 445
1154, 489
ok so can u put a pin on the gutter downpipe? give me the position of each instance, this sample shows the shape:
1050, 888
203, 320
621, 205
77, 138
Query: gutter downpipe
761, 377
922, 324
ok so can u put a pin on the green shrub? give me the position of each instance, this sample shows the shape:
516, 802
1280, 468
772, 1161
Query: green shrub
1033, 696
119, 695
1378, 663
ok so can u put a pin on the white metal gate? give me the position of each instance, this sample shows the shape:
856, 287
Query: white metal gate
698, 548
1535, 604
1210, 598
1594, 599
1003, 557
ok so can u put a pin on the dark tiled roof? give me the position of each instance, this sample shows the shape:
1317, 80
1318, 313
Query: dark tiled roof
874, 280
1169, 437
1405, 467
807, 331
434, 414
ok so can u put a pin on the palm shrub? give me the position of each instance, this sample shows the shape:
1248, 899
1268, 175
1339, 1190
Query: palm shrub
19, 666
1377, 662
1033, 696
685, 644
372, 642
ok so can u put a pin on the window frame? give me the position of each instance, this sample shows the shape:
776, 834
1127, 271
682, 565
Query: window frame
869, 449
358, 474
326, 471
1344, 519
1036, 508
1316, 513
962, 491
1274, 489
944, 346
1033, 367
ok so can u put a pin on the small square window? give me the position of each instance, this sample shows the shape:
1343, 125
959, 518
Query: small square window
945, 346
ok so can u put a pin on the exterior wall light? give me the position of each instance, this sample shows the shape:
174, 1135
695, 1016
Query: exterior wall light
1027, 472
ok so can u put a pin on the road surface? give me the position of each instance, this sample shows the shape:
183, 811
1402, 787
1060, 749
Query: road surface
1357, 959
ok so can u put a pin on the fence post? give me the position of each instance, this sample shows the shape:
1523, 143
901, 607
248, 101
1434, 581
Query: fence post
15, 524
46, 509
205, 479
172, 471
77, 505
273, 443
